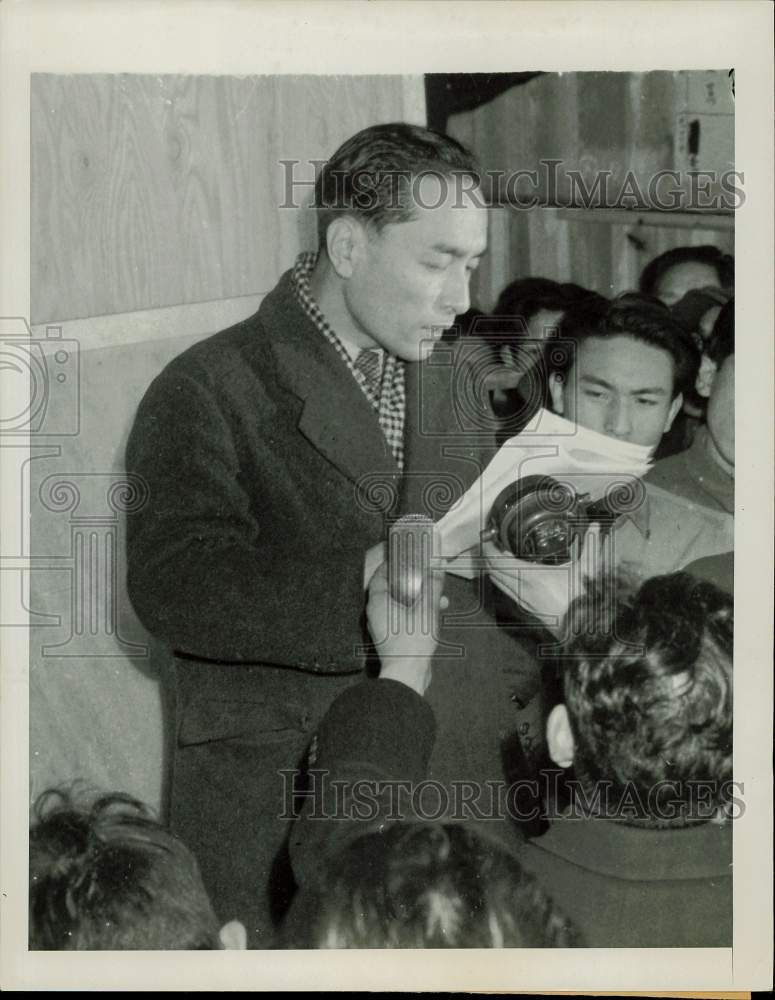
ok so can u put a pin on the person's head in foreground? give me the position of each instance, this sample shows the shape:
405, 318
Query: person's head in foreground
621, 368
646, 721
716, 381
104, 875
426, 885
674, 273
402, 225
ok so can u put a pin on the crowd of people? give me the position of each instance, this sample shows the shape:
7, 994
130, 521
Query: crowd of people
511, 761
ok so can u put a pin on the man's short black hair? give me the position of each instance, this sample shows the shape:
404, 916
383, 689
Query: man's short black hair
523, 298
640, 317
721, 342
520, 301
106, 875
655, 270
647, 682
426, 885
372, 174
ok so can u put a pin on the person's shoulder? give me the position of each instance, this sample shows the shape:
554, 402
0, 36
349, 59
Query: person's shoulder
248, 341
683, 507
676, 488
693, 476
669, 473
218, 349
717, 569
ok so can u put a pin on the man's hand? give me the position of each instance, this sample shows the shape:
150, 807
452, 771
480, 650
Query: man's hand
405, 637
547, 591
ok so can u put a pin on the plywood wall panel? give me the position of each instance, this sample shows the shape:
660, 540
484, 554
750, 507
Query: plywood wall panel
156, 191
96, 701
149, 195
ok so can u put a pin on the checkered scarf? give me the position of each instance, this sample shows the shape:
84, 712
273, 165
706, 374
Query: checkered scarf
385, 392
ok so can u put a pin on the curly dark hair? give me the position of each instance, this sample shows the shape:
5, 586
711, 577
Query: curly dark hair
647, 682
426, 885
641, 317
655, 270
106, 875
371, 174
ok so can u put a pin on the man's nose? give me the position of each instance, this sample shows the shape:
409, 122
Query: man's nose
619, 419
456, 298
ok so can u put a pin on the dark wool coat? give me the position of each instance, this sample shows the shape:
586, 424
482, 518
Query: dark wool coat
269, 477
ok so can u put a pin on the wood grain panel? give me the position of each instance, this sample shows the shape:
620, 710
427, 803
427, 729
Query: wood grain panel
98, 716
154, 191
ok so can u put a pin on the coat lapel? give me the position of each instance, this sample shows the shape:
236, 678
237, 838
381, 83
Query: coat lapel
440, 460
335, 416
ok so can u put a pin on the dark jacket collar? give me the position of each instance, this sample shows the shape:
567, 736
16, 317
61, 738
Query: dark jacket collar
336, 418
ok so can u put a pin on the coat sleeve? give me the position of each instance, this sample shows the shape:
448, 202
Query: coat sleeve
204, 575
373, 748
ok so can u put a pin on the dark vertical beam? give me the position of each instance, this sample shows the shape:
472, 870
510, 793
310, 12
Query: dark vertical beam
448, 93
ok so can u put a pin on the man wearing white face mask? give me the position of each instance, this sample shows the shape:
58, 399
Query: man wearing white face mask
621, 368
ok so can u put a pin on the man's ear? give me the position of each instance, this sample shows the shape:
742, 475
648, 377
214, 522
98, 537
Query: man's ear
673, 412
233, 936
344, 237
557, 392
559, 737
705, 376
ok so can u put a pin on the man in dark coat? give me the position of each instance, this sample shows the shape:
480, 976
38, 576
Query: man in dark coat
276, 454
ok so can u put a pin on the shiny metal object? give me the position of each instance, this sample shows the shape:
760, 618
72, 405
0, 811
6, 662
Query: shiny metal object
410, 548
538, 519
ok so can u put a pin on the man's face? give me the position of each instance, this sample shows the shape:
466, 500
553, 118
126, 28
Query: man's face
620, 387
524, 353
682, 278
708, 321
410, 280
720, 417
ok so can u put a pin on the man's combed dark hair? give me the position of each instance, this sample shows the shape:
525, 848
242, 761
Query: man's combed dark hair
372, 174
427, 885
524, 297
640, 317
655, 270
647, 682
108, 876
520, 301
